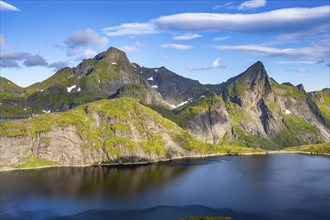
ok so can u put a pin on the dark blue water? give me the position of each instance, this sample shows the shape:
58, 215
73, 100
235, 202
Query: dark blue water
282, 186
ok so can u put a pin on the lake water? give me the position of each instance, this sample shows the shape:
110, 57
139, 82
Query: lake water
281, 186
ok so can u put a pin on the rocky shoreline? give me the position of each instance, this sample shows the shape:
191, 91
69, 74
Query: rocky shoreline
6, 169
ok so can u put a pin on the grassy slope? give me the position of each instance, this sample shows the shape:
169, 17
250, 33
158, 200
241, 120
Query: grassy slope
123, 112
312, 148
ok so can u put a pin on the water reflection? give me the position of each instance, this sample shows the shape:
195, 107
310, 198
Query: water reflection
115, 182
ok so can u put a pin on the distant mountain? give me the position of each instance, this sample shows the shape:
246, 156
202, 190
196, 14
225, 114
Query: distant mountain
253, 110
107, 75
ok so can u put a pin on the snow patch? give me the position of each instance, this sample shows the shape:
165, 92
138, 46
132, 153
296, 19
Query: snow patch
41, 90
114, 63
99, 81
151, 78
154, 86
71, 87
79, 89
287, 112
183, 103
134, 66
45, 111
24, 109
156, 70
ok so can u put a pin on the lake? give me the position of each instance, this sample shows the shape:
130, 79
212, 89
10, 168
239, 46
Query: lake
278, 186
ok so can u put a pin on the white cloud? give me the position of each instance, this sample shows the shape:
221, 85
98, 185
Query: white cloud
59, 65
77, 43
2, 40
314, 52
187, 36
221, 38
131, 48
177, 46
226, 5
35, 60
286, 20
300, 70
10, 59
88, 53
215, 65
7, 7
131, 29
295, 62
277, 21
252, 4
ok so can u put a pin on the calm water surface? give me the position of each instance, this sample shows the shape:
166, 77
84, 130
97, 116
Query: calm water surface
282, 186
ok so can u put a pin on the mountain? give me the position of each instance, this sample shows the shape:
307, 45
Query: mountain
107, 75
250, 109
253, 110
109, 131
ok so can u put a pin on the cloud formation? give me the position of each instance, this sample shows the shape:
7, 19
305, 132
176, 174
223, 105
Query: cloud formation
59, 65
315, 52
187, 36
131, 29
2, 40
77, 43
34, 60
226, 5
287, 20
221, 38
300, 70
7, 7
215, 65
177, 46
131, 48
252, 4
11, 58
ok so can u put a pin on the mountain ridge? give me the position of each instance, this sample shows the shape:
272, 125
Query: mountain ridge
250, 109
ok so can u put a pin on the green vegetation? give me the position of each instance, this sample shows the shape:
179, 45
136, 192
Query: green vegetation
312, 148
245, 139
33, 161
284, 90
297, 132
136, 90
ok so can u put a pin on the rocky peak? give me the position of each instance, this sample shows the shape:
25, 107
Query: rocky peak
114, 56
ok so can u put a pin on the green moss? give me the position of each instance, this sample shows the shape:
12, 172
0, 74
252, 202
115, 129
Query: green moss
297, 132
288, 91
312, 148
154, 147
33, 161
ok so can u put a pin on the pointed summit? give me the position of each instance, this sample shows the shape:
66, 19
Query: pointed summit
114, 56
254, 80
257, 70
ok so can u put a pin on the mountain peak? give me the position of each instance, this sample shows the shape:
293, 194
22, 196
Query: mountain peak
114, 56
257, 67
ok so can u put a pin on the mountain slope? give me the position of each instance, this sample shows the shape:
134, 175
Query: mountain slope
118, 130
254, 110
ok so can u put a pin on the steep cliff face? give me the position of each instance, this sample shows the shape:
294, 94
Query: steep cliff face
260, 112
118, 130
174, 88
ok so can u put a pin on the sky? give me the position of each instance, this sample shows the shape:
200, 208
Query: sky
209, 41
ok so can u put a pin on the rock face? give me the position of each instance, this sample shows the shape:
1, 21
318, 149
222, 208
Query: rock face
118, 130
254, 110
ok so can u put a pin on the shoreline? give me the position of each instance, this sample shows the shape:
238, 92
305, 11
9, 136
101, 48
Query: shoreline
7, 169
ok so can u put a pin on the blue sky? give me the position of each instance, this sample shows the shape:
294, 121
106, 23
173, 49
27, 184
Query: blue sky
210, 41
